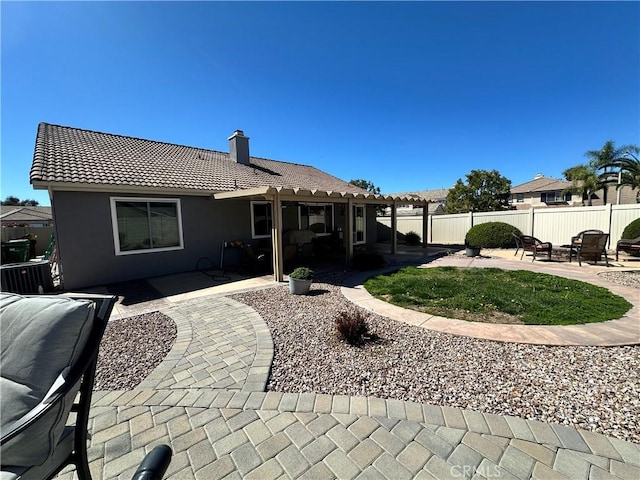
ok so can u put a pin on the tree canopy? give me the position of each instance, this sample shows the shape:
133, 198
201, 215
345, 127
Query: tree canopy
484, 191
15, 201
365, 184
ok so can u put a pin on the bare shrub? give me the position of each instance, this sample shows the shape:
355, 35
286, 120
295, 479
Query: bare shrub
352, 326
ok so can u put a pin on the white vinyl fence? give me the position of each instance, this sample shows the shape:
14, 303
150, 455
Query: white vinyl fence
555, 225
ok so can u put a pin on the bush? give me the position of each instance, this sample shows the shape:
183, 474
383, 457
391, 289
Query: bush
632, 230
367, 261
302, 273
352, 326
412, 238
492, 235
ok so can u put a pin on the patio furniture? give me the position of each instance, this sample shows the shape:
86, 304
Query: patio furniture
516, 238
532, 244
591, 247
49, 353
628, 245
576, 240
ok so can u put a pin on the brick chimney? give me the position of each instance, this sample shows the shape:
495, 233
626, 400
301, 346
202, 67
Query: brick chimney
239, 147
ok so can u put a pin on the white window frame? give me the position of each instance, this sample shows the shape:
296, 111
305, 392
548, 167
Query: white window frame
114, 223
253, 221
316, 204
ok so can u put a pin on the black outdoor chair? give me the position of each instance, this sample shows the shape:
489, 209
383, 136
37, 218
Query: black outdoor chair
49, 353
532, 244
592, 247
631, 246
518, 241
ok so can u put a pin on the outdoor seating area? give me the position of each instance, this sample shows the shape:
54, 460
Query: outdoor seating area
588, 245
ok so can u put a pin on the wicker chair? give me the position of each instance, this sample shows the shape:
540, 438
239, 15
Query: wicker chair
532, 244
592, 247
628, 245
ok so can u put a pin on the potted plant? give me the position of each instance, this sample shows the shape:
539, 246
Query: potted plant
300, 281
472, 248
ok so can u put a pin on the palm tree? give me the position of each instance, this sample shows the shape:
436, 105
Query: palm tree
625, 168
604, 159
584, 180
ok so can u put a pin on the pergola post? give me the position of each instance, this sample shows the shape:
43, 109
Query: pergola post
276, 238
348, 237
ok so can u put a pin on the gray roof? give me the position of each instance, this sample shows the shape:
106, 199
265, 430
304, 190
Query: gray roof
15, 213
87, 159
541, 184
439, 195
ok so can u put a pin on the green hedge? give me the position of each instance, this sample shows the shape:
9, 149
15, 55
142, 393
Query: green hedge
492, 235
632, 230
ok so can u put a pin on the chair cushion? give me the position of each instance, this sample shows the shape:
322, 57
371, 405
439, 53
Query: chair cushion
42, 337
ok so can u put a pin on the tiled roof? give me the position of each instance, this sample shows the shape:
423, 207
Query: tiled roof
87, 158
541, 185
431, 195
14, 213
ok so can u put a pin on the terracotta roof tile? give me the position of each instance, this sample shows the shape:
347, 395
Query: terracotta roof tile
84, 157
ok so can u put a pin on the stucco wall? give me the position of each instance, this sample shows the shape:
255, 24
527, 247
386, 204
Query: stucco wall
86, 247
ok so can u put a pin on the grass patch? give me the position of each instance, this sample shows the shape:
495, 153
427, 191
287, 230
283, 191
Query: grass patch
498, 296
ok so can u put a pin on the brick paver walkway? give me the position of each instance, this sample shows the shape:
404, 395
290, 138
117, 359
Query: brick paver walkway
206, 401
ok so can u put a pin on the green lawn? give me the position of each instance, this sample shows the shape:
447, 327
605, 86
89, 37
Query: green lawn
498, 296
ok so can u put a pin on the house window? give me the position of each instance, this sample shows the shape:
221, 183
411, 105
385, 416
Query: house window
317, 217
261, 219
144, 225
557, 196
519, 197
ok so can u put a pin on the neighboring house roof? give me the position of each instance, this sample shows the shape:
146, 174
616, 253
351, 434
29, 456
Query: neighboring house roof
439, 195
19, 214
85, 159
541, 184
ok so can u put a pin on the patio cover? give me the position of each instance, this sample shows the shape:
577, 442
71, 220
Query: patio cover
276, 195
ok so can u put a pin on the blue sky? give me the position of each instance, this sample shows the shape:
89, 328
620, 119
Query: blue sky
410, 96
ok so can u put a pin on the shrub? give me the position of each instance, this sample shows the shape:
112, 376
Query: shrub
352, 326
412, 238
367, 261
491, 235
632, 230
302, 273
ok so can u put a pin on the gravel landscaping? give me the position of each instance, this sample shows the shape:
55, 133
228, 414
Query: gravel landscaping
131, 348
594, 388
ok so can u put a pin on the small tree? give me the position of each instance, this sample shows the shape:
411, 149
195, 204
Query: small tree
15, 201
366, 185
484, 192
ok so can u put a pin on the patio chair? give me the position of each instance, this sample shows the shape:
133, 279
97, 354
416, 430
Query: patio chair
49, 353
532, 244
516, 238
592, 247
628, 245
578, 238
